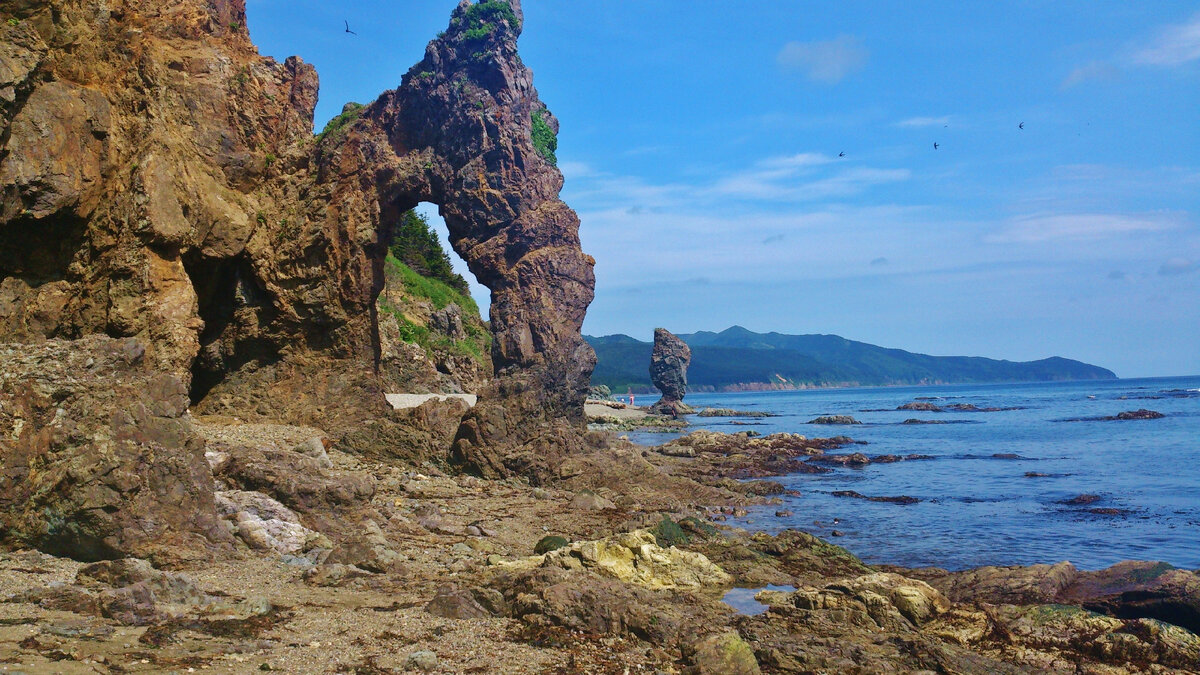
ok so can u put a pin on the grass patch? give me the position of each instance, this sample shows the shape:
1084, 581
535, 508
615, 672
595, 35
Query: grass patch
544, 139
352, 112
482, 17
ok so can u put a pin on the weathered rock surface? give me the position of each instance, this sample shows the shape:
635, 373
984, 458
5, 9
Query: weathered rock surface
97, 457
1127, 590
633, 557
668, 371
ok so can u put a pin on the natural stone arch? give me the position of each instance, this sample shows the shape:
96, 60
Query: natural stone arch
458, 133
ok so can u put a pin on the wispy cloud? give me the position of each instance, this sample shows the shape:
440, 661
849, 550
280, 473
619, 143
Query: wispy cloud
1102, 71
879, 262
917, 122
1044, 228
1177, 266
827, 61
1174, 45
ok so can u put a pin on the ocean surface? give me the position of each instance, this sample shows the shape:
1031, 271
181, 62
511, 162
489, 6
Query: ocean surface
978, 509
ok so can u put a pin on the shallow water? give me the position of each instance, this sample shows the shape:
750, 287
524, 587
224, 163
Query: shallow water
742, 599
976, 509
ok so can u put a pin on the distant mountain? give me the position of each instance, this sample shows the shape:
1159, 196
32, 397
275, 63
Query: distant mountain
737, 358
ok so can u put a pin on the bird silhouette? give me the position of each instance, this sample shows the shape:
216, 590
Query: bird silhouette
935, 146
1021, 125
348, 28
841, 154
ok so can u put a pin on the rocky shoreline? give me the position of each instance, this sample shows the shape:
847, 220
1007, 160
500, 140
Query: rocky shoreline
436, 572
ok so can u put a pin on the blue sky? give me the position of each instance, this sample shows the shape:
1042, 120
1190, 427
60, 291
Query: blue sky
700, 147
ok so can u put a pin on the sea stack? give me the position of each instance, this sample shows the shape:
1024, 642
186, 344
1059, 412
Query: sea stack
668, 372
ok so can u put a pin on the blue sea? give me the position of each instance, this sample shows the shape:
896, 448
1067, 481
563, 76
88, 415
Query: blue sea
975, 508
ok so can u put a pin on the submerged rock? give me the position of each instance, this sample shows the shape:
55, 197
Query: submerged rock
902, 499
1141, 414
834, 419
923, 406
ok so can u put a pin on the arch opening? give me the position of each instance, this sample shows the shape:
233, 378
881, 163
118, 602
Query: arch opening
430, 333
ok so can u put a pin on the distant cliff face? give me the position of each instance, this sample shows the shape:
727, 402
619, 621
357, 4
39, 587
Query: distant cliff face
160, 180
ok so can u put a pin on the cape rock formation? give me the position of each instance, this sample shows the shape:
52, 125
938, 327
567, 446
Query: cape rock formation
159, 180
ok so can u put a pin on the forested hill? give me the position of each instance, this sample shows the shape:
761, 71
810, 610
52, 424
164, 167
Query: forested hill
737, 358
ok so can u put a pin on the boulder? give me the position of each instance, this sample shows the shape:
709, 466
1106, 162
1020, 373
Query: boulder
1131, 590
723, 654
632, 557
98, 458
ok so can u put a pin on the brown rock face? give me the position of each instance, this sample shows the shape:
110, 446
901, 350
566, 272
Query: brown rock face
159, 180
96, 457
668, 370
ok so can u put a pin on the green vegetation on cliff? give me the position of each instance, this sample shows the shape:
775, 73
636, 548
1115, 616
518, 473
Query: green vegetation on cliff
410, 292
483, 17
350, 112
415, 244
544, 139
738, 358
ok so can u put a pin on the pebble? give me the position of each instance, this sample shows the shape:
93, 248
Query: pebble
783, 514
423, 660
539, 493
837, 533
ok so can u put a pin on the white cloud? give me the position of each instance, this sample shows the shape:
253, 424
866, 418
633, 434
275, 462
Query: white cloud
827, 61
1175, 45
916, 122
1044, 228
1102, 71
1176, 266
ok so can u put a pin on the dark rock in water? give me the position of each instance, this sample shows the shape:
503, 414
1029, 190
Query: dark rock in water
729, 412
100, 459
923, 406
1007, 455
913, 420
902, 499
1109, 511
971, 407
834, 419
854, 459
668, 371
784, 514
837, 533
1141, 414
890, 459
1081, 500
1037, 474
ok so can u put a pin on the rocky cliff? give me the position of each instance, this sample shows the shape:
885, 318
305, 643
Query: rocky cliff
159, 180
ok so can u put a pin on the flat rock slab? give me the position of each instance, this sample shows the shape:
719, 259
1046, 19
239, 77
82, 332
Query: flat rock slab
403, 401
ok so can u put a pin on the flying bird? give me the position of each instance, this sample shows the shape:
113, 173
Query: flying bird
348, 28
841, 154
1021, 125
935, 146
